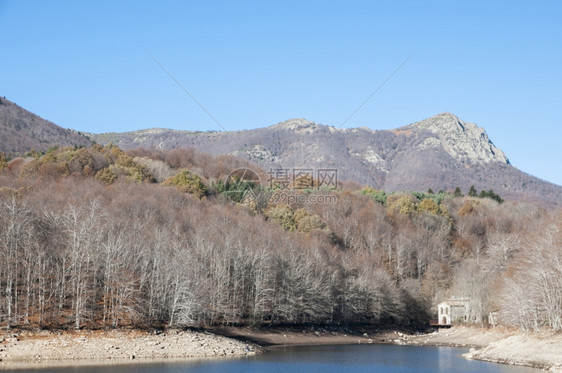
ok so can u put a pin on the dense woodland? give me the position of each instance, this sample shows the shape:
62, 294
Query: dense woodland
96, 237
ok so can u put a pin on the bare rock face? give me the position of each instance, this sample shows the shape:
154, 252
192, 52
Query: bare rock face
297, 125
464, 141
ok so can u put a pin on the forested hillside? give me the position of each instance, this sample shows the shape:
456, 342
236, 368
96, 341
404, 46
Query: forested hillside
97, 237
21, 131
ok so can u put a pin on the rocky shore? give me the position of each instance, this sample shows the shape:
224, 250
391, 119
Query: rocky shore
54, 348
26, 349
540, 350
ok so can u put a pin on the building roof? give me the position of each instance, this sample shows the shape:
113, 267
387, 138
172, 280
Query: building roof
456, 302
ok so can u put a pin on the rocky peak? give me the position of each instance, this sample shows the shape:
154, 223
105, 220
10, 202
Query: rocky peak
295, 124
462, 140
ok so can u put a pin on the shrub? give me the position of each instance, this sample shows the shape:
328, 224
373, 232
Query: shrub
378, 195
283, 215
429, 205
188, 182
404, 204
466, 209
106, 175
306, 221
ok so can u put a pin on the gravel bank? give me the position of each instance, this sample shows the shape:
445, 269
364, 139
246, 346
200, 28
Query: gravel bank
118, 345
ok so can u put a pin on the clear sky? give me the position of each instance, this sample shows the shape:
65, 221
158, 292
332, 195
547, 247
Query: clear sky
86, 65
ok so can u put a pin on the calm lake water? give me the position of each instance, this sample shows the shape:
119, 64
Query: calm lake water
347, 358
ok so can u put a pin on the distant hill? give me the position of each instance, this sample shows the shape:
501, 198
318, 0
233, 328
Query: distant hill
441, 152
21, 131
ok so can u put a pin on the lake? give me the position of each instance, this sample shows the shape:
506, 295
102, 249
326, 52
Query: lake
326, 358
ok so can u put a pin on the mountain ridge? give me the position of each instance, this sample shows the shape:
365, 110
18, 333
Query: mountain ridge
439, 125
440, 152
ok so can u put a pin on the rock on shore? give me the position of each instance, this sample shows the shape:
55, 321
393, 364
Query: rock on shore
498, 345
540, 350
116, 344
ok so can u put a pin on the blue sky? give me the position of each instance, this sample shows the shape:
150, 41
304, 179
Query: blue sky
85, 65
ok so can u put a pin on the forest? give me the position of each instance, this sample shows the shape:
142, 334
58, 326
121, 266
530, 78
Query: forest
101, 238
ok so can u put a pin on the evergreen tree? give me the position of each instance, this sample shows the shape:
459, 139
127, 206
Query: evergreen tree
492, 195
457, 192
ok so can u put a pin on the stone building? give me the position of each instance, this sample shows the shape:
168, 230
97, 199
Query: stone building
458, 310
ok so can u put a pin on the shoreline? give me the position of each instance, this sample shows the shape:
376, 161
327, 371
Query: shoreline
541, 350
42, 349
310, 335
25, 349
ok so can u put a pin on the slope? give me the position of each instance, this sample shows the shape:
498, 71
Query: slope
21, 131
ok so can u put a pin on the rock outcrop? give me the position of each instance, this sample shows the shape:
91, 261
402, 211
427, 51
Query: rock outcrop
464, 141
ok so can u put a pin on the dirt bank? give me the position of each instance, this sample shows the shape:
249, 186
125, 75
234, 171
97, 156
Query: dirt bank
272, 336
457, 337
118, 345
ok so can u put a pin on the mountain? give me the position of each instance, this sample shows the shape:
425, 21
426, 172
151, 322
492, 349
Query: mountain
441, 152
21, 131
